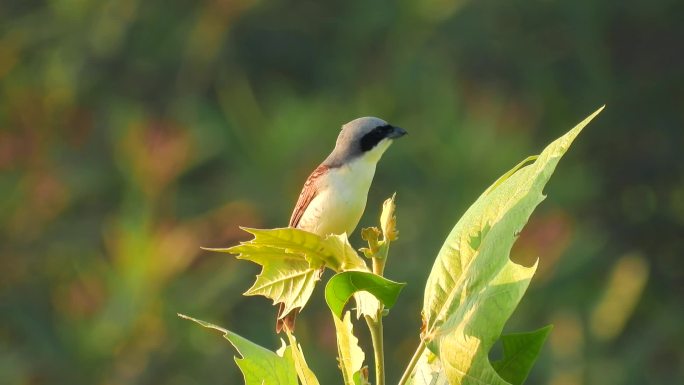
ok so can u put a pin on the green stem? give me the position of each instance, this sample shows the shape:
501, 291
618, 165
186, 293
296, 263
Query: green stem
412, 364
375, 328
378, 266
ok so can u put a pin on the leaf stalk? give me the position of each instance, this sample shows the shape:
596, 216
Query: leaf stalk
412, 364
375, 327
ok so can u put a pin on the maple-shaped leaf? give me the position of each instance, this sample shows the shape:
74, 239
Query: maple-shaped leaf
291, 261
474, 287
333, 251
285, 277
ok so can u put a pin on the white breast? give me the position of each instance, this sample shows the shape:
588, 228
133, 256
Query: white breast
341, 199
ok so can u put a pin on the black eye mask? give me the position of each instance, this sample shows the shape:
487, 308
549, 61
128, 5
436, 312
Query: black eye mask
371, 139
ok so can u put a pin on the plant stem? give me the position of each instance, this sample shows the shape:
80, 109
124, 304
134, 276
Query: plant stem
412, 364
375, 328
378, 266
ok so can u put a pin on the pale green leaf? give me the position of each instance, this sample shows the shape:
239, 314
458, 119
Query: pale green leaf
520, 351
285, 277
259, 365
350, 354
464, 340
342, 286
473, 287
306, 376
291, 261
333, 250
343, 255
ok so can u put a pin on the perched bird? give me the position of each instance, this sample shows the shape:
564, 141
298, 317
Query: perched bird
334, 196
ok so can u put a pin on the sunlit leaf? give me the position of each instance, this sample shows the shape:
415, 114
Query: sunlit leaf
259, 365
350, 354
520, 351
291, 261
333, 250
306, 376
285, 277
342, 286
474, 287
388, 220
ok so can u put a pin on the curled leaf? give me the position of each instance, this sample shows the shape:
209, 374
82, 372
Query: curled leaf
342, 286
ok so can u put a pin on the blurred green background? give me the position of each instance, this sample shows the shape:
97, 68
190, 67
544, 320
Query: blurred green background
133, 132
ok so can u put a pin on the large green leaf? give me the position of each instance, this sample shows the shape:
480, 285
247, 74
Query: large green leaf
342, 286
285, 277
291, 260
332, 250
520, 352
474, 287
259, 365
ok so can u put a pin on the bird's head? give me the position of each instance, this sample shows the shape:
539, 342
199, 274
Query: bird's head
365, 138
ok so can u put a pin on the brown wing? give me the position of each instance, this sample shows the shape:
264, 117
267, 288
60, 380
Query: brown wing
308, 193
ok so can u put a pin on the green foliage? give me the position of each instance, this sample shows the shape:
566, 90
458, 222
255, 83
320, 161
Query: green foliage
259, 365
474, 286
471, 292
350, 355
291, 260
306, 376
341, 287
520, 352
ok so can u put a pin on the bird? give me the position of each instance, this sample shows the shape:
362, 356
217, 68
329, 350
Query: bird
334, 195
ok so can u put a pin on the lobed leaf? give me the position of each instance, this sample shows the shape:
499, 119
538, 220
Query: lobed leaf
291, 261
474, 287
333, 251
258, 365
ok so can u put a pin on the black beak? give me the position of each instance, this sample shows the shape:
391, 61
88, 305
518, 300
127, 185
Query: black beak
397, 132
